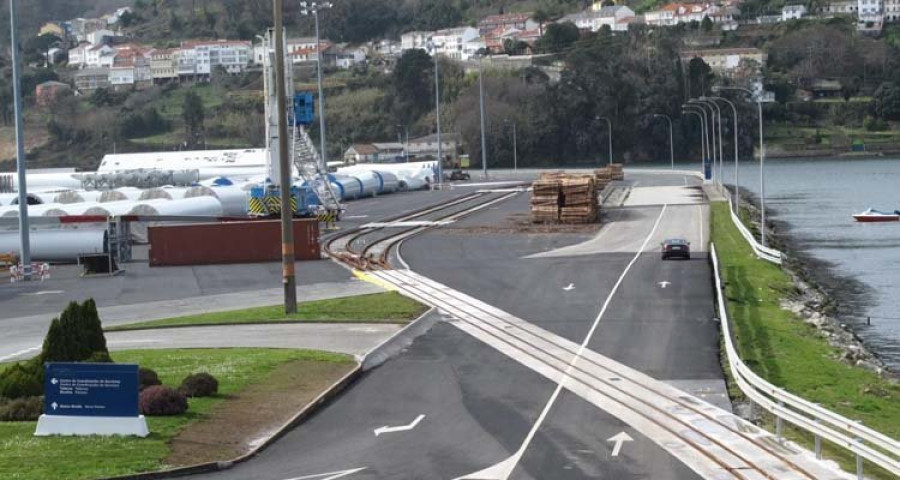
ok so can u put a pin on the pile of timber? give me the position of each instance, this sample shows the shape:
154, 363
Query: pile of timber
618, 171
566, 198
545, 200
602, 177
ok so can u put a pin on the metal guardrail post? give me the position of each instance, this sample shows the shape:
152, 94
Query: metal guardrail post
779, 424
859, 462
818, 443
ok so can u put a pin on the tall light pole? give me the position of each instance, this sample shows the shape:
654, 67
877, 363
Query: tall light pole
437, 109
737, 193
289, 277
481, 106
313, 8
401, 129
693, 108
24, 233
711, 123
515, 148
762, 158
712, 103
609, 126
671, 141
702, 136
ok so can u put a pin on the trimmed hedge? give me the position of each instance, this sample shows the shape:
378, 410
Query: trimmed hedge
160, 400
199, 385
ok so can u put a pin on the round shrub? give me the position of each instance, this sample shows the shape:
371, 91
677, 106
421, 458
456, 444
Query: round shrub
26, 409
20, 381
147, 378
159, 400
199, 385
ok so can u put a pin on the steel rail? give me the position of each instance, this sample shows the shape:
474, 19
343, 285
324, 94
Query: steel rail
615, 385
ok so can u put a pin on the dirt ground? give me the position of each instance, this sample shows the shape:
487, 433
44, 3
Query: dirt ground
246, 419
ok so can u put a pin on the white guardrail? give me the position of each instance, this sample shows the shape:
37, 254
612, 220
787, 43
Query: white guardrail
763, 252
848, 434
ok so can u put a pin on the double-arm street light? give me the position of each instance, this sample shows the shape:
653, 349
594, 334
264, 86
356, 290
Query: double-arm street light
712, 131
719, 129
313, 8
609, 124
671, 142
737, 194
704, 135
762, 158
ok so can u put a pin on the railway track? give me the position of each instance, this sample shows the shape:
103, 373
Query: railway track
715, 443
369, 247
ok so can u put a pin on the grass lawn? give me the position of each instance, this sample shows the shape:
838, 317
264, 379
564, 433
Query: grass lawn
390, 307
25, 457
787, 352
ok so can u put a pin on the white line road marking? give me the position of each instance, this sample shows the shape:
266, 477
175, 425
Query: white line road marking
620, 438
351, 217
18, 354
508, 465
402, 428
45, 292
664, 284
329, 476
570, 287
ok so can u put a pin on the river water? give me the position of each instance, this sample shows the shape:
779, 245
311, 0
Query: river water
815, 198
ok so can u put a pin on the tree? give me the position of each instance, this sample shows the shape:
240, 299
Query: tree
706, 25
558, 37
413, 81
700, 77
887, 101
192, 114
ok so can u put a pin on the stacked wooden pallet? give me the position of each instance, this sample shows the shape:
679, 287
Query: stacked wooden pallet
579, 195
545, 199
602, 177
618, 171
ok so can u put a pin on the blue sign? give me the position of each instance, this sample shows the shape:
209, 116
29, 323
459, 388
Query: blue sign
91, 389
707, 169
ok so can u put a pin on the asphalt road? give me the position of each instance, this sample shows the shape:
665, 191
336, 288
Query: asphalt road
479, 404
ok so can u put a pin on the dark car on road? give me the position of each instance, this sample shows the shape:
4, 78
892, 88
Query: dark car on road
676, 248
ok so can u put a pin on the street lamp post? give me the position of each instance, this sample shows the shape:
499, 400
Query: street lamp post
313, 8
704, 127
711, 123
712, 103
737, 193
24, 233
400, 130
609, 125
437, 108
762, 159
702, 136
671, 142
481, 107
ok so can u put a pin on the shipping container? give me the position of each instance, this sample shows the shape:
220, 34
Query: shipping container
230, 243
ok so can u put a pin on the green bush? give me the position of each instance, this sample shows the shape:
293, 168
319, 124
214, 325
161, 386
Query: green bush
199, 385
22, 380
26, 409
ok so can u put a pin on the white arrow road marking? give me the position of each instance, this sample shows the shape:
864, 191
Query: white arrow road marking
620, 438
330, 475
664, 284
402, 428
570, 287
44, 292
504, 469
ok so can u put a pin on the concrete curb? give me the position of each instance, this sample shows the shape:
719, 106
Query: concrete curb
398, 341
309, 410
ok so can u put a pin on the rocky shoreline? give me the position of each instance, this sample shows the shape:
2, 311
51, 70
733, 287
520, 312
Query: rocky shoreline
821, 296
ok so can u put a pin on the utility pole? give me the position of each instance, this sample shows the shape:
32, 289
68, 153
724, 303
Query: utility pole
24, 233
437, 107
289, 278
609, 124
671, 142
